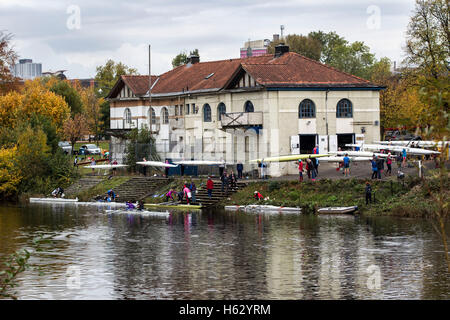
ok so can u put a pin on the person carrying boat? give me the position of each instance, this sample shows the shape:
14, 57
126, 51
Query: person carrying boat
404, 155
316, 161
258, 196
389, 164
300, 170
346, 165
170, 195
374, 167
166, 170
380, 167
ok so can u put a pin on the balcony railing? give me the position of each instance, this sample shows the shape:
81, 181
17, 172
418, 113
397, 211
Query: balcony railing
242, 119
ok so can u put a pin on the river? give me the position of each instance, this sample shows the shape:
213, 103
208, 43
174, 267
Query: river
223, 255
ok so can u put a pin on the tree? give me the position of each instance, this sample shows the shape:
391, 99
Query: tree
106, 78
428, 38
9, 175
182, 57
75, 128
70, 94
92, 106
140, 144
304, 45
8, 58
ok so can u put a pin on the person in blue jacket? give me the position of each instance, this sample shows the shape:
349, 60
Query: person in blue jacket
346, 165
374, 167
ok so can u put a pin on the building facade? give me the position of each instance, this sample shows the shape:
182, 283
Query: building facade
27, 70
244, 109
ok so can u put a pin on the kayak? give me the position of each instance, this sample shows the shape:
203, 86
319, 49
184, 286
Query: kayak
337, 210
263, 208
53, 200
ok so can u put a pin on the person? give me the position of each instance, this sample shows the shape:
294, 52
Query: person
346, 165
389, 164
380, 167
221, 167
193, 189
232, 180
140, 205
224, 179
300, 170
368, 193
316, 160
75, 161
144, 168
93, 164
58, 192
209, 187
374, 167
180, 195
170, 195
114, 169
258, 196
308, 167
166, 169
259, 169
130, 206
403, 158
313, 169
182, 169
240, 168
187, 193
111, 194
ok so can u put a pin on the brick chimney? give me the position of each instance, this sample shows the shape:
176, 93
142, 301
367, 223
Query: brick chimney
193, 59
281, 49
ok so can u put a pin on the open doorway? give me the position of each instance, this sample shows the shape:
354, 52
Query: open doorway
345, 138
307, 143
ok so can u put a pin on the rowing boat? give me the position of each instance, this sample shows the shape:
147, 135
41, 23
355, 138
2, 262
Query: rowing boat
337, 210
173, 206
53, 200
139, 212
263, 208
292, 157
156, 164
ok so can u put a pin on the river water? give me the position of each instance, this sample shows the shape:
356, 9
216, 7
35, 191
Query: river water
223, 255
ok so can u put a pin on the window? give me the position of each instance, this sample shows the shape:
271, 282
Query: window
206, 113
248, 107
152, 115
181, 110
194, 110
344, 109
164, 115
187, 108
306, 109
127, 116
221, 109
176, 109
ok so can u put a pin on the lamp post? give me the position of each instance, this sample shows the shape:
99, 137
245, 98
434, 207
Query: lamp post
326, 118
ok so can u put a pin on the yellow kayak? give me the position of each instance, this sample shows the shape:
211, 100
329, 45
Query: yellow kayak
292, 157
173, 206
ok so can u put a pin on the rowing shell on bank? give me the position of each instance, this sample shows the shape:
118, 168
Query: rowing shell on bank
173, 206
139, 212
341, 159
53, 200
292, 157
106, 166
200, 162
263, 208
156, 164
337, 210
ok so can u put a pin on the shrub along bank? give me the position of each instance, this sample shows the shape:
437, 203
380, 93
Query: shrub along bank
407, 198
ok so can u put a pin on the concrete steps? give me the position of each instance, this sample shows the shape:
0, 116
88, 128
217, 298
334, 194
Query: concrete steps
217, 195
138, 188
82, 184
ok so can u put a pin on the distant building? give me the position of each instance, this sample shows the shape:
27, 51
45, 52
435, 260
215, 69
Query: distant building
27, 70
255, 48
58, 74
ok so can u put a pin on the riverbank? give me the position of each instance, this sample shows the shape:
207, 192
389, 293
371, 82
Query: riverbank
409, 198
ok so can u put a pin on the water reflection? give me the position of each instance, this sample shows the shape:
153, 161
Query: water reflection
224, 255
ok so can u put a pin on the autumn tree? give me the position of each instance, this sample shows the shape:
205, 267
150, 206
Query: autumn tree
8, 58
9, 174
75, 128
92, 105
70, 94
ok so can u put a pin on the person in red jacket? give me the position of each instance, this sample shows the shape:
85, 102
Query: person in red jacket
258, 196
209, 187
300, 170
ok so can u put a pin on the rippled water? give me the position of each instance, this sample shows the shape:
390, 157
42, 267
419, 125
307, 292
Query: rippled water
224, 255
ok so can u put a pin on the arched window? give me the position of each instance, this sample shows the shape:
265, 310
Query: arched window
221, 109
127, 116
206, 113
306, 109
248, 107
164, 115
344, 109
151, 115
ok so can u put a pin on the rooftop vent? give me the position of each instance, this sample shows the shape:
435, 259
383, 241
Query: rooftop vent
281, 49
192, 59
209, 75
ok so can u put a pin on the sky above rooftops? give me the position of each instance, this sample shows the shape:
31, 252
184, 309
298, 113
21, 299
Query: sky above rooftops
79, 35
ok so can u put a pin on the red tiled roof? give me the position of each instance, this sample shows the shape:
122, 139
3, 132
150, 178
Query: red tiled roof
288, 70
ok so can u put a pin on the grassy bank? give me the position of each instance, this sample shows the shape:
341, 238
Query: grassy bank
408, 198
101, 188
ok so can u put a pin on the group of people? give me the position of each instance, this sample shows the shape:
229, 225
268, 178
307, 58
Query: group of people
311, 167
228, 181
188, 192
378, 166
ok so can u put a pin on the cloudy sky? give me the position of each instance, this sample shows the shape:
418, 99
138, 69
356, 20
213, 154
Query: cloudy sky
78, 35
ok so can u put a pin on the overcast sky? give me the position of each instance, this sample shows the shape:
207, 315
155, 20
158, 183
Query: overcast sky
49, 31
